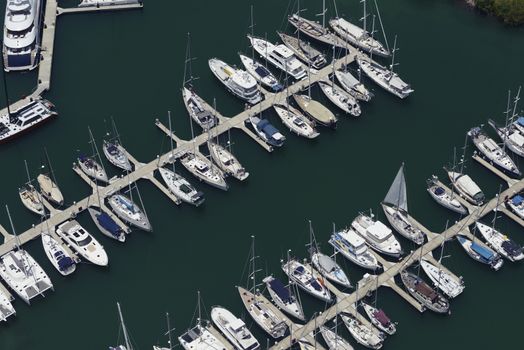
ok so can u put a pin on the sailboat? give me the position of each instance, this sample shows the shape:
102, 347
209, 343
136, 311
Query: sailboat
395, 206
480, 253
30, 197
353, 86
379, 319
259, 307
500, 242
490, 150
127, 343
516, 205
303, 50
22, 273
315, 30
284, 298
199, 337
444, 281
426, 295
224, 158
234, 329
267, 131
360, 37
6, 308
115, 152
90, 166
316, 111
61, 260
377, 235
83, 242
176, 183
306, 279
48, 185
384, 77
168, 333
325, 264
129, 211
444, 197
333, 340
366, 336
340, 98
195, 105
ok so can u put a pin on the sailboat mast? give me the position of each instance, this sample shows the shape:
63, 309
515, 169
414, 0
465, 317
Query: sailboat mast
199, 319
393, 55
252, 34
124, 329
171, 139
463, 160
27, 173
381, 25
323, 14
364, 18
333, 75
169, 331
17, 239
95, 148
253, 271
5, 90
372, 36
51, 171
298, 14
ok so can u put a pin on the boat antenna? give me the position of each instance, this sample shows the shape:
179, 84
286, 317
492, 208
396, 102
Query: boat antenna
171, 139
508, 111
252, 275
124, 329
5, 90
395, 49
496, 210
381, 25
115, 130
517, 99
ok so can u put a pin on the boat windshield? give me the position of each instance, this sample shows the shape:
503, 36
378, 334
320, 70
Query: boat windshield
85, 241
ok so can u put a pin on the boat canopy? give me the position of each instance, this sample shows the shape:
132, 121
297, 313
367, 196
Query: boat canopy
262, 71
109, 224
520, 120
439, 191
511, 247
65, 263
281, 290
517, 200
482, 251
397, 194
382, 318
517, 139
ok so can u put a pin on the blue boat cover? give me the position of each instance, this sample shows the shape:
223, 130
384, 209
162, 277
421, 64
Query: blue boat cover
512, 248
483, 252
517, 200
521, 121
439, 191
65, 262
315, 284
281, 290
109, 224
262, 71
267, 128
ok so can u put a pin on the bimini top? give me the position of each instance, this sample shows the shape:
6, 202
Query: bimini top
281, 290
517, 200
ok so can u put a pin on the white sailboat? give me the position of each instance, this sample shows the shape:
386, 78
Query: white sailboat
83, 242
204, 170
395, 206
353, 247
260, 73
512, 133
30, 197
115, 152
379, 319
444, 197
444, 281
377, 235
303, 50
364, 335
234, 329
353, 86
284, 298
333, 340
22, 273
168, 333
259, 307
90, 166
480, 253
425, 295
500, 242
127, 342
306, 279
48, 184
126, 209
516, 205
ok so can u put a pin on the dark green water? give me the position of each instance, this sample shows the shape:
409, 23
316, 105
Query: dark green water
130, 65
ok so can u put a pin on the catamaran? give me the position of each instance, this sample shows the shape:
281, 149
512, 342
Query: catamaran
60, 258
284, 298
22, 273
234, 329
204, 170
259, 307
395, 206
500, 242
340, 98
481, 253
129, 211
443, 280
377, 235
267, 131
306, 279
353, 85
240, 83
304, 51
333, 340
426, 295
260, 73
366, 336
316, 111
83, 242
493, 152
379, 319
353, 247
6, 308
444, 197
17, 122
22, 34
226, 161
296, 121
279, 56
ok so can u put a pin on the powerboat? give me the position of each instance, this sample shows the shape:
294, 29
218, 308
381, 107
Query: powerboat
22, 34
425, 295
357, 36
304, 51
129, 211
234, 329
377, 235
279, 56
491, 151
353, 86
316, 111
240, 83
305, 278
226, 161
24, 275
49, 189
62, 261
181, 188
92, 168
481, 253
296, 121
116, 155
366, 336
284, 298
261, 73
267, 131
501, 243
328, 267
443, 280
379, 319
82, 242
445, 197
353, 247
105, 223
198, 110
467, 188
25, 118
340, 98
204, 170
385, 78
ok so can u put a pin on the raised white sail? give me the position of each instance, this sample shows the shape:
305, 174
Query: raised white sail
397, 194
